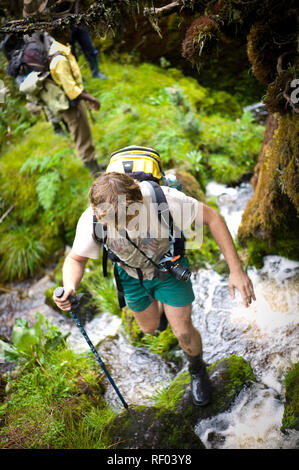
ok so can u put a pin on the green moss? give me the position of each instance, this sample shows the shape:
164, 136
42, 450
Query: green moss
170, 396
239, 372
282, 243
162, 344
228, 377
151, 428
56, 401
270, 224
290, 418
190, 185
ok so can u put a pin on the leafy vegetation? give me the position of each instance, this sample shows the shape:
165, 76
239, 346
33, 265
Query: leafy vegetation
15, 119
56, 400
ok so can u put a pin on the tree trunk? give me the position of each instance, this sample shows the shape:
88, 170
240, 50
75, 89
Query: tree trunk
270, 223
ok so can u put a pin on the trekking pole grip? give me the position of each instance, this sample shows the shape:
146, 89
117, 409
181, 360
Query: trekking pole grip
59, 291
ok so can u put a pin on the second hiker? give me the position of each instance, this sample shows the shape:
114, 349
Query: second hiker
66, 73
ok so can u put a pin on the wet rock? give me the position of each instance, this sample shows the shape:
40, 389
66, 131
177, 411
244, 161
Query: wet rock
228, 376
151, 428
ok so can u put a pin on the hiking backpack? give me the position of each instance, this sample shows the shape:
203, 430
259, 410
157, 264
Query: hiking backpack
30, 53
142, 164
29, 65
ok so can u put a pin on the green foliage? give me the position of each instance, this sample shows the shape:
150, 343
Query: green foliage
231, 147
20, 253
31, 343
169, 397
49, 191
161, 344
102, 289
56, 400
290, 418
15, 120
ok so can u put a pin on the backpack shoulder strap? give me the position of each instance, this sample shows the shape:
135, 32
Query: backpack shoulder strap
165, 217
158, 197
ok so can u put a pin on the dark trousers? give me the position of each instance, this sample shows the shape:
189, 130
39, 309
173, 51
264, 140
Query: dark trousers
81, 36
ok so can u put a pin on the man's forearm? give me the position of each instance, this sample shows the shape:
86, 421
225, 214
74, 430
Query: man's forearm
72, 271
223, 238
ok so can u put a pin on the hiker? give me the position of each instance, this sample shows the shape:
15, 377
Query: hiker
25, 54
66, 73
81, 36
80, 33
150, 266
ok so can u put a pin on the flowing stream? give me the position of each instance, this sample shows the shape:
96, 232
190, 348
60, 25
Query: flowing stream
265, 334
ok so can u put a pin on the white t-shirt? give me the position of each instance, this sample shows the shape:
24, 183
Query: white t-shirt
144, 230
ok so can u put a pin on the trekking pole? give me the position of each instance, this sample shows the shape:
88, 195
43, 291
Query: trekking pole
59, 291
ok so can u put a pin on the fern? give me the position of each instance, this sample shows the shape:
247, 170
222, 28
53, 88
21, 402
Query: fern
41, 163
47, 188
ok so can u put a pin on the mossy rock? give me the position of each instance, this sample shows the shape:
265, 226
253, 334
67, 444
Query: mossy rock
290, 418
190, 185
228, 376
151, 428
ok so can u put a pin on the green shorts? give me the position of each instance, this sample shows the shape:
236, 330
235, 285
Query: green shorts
171, 291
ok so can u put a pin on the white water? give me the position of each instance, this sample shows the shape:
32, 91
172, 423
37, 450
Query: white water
265, 334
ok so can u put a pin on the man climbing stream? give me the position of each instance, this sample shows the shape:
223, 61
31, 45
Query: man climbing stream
148, 251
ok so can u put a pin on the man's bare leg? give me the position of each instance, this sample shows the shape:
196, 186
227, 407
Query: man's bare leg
189, 340
181, 324
149, 319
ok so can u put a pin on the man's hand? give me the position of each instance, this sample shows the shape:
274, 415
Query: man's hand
92, 102
239, 280
63, 302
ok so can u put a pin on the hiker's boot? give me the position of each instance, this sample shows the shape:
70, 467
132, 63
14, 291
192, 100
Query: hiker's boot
93, 167
94, 67
200, 382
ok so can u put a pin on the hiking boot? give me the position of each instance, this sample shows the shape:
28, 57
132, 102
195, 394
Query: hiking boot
100, 76
163, 322
92, 166
200, 382
94, 67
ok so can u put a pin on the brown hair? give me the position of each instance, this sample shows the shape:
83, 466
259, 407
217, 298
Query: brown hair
107, 188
